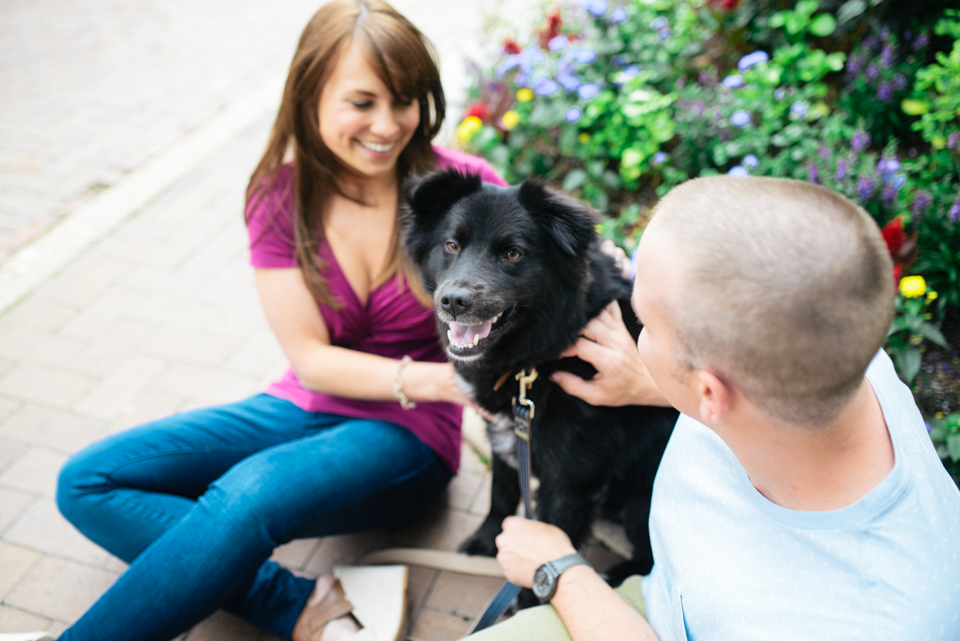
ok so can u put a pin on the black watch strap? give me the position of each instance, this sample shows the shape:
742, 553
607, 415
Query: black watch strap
548, 575
564, 563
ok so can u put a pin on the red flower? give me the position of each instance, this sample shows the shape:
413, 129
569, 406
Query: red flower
554, 22
897, 272
894, 236
725, 5
510, 46
479, 110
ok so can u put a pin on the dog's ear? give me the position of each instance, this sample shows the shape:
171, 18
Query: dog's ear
428, 198
570, 222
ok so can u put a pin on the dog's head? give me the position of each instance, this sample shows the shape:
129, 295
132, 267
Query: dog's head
501, 263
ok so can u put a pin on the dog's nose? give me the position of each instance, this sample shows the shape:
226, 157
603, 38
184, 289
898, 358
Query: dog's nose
456, 301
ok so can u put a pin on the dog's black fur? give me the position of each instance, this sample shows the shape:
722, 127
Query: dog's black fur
588, 459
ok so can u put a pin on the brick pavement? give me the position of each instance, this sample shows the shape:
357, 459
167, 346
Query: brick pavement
160, 314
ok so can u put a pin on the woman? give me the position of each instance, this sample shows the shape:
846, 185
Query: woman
363, 431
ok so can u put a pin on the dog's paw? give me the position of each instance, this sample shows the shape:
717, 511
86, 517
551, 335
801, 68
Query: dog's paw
479, 545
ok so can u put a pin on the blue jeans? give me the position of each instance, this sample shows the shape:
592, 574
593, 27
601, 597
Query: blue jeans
197, 502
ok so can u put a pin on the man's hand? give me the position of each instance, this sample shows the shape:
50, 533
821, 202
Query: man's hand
622, 378
525, 545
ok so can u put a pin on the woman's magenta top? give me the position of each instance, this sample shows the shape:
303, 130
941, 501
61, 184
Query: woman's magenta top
392, 324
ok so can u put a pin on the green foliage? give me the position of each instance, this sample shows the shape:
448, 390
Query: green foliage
936, 95
945, 434
905, 340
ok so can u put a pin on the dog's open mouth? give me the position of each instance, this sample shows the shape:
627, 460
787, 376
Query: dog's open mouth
469, 340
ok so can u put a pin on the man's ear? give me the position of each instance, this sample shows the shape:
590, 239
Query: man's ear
570, 222
427, 199
715, 395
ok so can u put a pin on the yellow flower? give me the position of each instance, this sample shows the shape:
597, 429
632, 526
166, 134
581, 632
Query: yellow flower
931, 295
524, 95
584, 138
913, 286
467, 128
510, 120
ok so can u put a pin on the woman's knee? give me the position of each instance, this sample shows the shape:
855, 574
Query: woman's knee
82, 474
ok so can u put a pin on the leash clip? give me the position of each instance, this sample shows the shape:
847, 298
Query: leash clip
522, 423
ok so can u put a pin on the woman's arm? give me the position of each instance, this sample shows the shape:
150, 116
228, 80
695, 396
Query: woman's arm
588, 607
296, 321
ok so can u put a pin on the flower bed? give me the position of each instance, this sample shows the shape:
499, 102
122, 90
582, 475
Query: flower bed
617, 103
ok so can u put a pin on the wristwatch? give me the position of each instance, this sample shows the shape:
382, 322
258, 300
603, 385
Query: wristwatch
547, 576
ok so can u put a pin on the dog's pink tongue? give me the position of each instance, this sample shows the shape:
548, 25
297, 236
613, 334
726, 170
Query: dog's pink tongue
463, 334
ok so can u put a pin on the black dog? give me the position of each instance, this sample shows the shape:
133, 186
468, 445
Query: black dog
515, 275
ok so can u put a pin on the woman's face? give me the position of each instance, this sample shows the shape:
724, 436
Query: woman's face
360, 121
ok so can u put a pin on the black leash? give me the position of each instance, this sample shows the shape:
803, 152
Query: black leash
523, 411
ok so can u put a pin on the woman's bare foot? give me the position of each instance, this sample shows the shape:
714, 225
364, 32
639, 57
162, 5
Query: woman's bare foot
326, 616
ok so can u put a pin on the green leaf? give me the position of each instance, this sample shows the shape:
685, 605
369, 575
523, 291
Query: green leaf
913, 107
807, 7
823, 25
932, 334
850, 10
574, 179
908, 363
953, 447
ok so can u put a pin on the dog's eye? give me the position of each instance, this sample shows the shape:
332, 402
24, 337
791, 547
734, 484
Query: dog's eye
452, 247
514, 254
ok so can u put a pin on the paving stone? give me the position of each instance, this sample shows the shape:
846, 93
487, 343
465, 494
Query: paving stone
80, 285
295, 554
462, 490
53, 428
342, 550
191, 347
480, 505
112, 345
461, 594
45, 384
105, 311
16, 620
149, 406
37, 314
419, 583
204, 384
35, 472
438, 528
60, 589
9, 452
121, 387
222, 626
42, 528
40, 348
15, 562
12, 505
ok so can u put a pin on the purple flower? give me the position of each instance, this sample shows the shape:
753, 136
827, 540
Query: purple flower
871, 42
813, 174
559, 43
953, 140
954, 212
664, 33
659, 158
658, 23
885, 92
799, 110
586, 56
589, 90
734, 81
899, 82
619, 60
922, 41
861, 140
888, 168
889, 194
573, 114
872, 72
521, 79
864, 187
779, 93
750, 161
885, 34
619, 15
569, 81
597, 8
898, 181
751, 59
508, 65
886, 55
631, 70
545, 86
853, 64
921, 202
928, 426
738, 170
824, 152
740, 118
842, 168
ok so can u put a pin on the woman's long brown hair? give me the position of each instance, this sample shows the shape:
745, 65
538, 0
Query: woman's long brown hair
404, 59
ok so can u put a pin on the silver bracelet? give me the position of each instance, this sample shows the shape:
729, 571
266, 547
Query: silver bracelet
405, 402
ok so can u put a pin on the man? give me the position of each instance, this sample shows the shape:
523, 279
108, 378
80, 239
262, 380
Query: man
799, 496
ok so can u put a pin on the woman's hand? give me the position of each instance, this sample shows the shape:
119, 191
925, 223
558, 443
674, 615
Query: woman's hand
525, 545
433, 382
622, 378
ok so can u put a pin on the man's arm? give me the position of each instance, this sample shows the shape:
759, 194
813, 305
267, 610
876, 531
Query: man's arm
588, 607
622, 378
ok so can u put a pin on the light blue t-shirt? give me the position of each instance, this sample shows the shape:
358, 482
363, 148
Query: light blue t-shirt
731, 564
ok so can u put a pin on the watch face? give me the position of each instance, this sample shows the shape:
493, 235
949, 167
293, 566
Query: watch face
541, 583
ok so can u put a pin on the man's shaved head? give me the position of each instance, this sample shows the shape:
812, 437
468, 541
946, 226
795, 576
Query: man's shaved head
786, 290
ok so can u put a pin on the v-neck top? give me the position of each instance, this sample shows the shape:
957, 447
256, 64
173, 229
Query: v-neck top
393, 323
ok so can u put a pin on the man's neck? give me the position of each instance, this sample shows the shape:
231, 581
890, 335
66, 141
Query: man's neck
816, 468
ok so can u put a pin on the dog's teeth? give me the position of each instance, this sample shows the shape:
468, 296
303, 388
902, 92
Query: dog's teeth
476, 339
450, 335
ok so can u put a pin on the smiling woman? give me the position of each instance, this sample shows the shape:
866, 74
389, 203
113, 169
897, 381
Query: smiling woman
197, 502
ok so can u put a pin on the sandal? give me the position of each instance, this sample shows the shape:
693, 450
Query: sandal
374, 595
